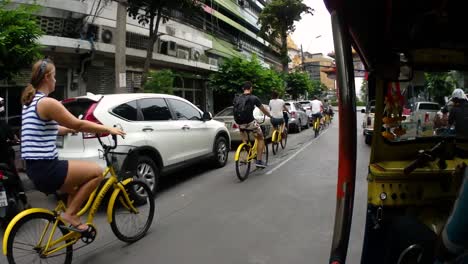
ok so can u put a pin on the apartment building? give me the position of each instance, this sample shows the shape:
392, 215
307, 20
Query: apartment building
79, 37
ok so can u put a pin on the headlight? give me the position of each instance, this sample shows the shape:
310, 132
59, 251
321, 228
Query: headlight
383, 196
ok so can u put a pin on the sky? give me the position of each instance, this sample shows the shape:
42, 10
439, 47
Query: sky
312, 26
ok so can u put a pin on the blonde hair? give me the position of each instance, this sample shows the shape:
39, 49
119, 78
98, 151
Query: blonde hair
39, 70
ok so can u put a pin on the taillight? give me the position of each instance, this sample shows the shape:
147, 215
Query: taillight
426, 118
91, 118
1, 175
293, 114
235, 126
369, 121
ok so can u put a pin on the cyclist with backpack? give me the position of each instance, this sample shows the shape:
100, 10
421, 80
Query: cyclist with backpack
244, 106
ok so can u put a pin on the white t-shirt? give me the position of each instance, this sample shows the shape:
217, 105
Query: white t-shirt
316, 106
276, 108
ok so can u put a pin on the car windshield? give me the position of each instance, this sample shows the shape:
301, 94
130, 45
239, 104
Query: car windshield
226, 112
428, 106
411, 109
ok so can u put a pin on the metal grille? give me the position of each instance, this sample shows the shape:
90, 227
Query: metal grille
60, 27
133, 81
136, 41
101, 80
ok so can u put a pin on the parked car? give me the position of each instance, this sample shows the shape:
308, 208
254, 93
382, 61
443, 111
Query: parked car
227, 117
298, 117
307, 106
424, 111
368, 121
167, 132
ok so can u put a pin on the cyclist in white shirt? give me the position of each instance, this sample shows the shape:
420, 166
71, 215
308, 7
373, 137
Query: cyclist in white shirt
277, 106
316, 109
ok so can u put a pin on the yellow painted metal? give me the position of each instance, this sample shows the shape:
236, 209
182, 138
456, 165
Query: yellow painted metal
16, 219
118, 187
236, 156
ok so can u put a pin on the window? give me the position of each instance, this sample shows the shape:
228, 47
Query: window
127, 111
184, 111
155, 109
226, 112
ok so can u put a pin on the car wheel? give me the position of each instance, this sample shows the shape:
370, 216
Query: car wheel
368, 139
299, 126
148, 172
221, 152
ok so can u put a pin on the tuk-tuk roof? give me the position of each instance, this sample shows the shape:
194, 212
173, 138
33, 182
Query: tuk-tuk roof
430, 32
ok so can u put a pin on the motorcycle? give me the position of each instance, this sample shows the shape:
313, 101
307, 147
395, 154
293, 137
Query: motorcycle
12, 197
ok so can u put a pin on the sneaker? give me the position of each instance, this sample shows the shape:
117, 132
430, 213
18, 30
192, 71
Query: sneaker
260, 164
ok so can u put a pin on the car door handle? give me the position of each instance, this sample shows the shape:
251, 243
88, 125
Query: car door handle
185, 127
147, 129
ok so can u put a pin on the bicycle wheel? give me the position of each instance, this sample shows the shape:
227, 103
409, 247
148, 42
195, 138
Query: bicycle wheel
130, 226
284, 139
25, 245
274, 142
243, 163
316, 128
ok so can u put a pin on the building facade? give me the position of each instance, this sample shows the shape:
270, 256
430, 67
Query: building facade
314, 65
79, 37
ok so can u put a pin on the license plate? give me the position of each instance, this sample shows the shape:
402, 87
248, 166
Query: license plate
3, 199
59, 142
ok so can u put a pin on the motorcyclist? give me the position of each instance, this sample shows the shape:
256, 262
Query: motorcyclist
7, 154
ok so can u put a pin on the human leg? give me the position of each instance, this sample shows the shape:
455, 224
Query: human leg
81, 180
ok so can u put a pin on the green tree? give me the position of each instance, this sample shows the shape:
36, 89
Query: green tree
364, 91
160, 82
317, 88
298, 83
439, 85
277, 21
154, 12
18, 38
234, 72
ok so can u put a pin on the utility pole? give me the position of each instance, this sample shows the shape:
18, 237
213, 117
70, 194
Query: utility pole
120, 48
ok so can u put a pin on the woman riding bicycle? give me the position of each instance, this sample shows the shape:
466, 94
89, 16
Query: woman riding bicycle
277, 106
44, 118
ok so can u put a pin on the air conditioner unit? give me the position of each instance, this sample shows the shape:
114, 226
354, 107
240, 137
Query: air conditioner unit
196, 54
183, 54
172, 48
213, 61
106, 35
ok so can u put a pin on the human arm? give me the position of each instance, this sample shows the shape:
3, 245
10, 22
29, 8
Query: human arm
260, 106
51, 109
65, 130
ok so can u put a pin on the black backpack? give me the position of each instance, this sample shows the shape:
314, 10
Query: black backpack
241, 109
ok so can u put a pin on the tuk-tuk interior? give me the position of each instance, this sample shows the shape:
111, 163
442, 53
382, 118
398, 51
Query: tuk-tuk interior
413, 51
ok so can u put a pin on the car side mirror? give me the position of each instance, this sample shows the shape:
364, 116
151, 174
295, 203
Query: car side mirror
207, 116
363, 110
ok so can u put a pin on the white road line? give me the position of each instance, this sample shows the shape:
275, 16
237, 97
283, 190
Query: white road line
295, 154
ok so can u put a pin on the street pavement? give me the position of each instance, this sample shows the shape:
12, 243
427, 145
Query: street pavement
282, 214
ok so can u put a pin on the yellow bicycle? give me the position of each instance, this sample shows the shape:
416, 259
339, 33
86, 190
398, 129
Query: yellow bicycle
279, 138
246, 152
39, 234
317, 126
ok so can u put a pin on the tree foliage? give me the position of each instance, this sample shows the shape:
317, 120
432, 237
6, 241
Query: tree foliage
152, 13
277, 21
18, 38
364, 91
160, 82
318, 88
298, 83
234, 72
439, 85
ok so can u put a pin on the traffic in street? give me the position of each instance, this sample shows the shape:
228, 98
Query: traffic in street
281, 214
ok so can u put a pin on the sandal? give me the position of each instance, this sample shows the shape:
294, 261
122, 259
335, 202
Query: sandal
75, 228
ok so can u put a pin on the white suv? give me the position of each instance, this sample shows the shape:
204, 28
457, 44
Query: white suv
164, 132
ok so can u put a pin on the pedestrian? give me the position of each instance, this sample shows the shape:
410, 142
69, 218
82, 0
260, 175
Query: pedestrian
459, 114
277, 107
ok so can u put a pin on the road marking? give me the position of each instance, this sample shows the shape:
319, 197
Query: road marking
295, 154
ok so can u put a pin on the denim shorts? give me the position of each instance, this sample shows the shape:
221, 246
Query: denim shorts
47, 175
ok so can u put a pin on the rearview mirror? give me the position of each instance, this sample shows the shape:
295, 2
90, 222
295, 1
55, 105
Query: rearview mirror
207, 116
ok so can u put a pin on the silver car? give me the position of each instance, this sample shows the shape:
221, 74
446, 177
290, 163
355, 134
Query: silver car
298, 118
227, 116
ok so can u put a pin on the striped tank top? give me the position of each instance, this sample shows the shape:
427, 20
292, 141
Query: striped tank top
38, 136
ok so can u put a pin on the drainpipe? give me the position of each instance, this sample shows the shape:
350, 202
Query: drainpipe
89, 58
